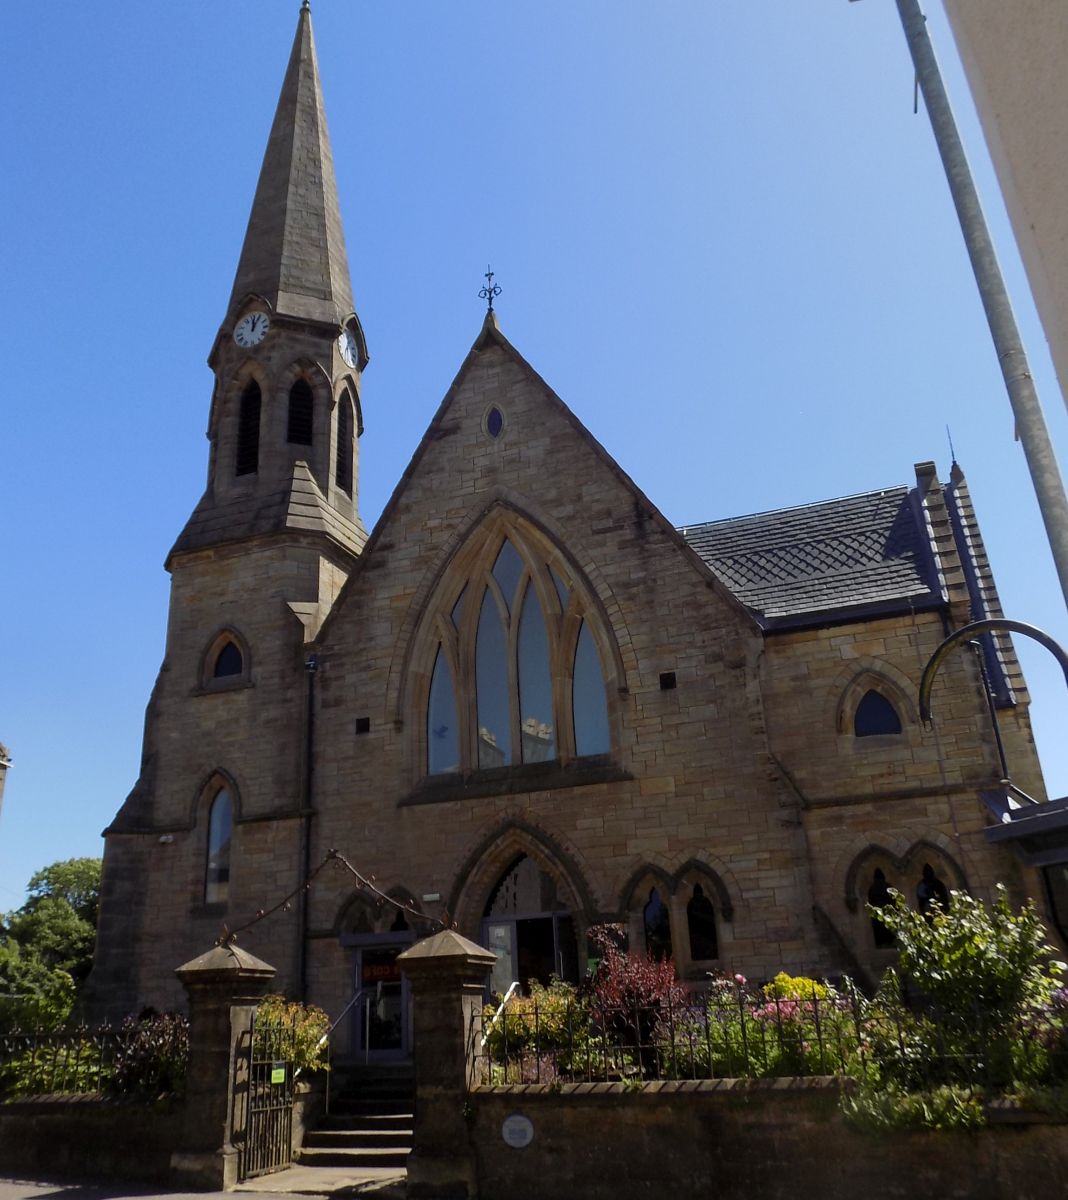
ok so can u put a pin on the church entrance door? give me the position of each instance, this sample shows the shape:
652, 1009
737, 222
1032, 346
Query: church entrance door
382, 1010
527, 928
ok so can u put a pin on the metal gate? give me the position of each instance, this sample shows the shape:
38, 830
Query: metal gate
263, 1100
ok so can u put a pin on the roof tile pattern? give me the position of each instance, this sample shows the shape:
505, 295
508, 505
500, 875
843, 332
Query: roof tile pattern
853, 552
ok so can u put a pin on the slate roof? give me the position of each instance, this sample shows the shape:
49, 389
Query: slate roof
856, 555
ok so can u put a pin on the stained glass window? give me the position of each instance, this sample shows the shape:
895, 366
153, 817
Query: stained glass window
535, 684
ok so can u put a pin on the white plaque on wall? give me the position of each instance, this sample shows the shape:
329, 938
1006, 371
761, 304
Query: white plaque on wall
517, 1130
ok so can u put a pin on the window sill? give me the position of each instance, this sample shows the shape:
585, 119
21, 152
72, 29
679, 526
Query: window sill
507, 781
222, 685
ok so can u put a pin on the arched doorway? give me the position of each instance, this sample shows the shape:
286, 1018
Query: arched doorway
379, 1020
528, 928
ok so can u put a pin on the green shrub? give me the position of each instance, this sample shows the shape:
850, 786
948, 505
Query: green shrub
152, 1058
879, 1109
289, 1030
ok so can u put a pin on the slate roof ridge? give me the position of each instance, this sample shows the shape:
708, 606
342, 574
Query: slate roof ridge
900, 488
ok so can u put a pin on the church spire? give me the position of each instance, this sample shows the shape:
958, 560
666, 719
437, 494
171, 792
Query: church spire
294, 250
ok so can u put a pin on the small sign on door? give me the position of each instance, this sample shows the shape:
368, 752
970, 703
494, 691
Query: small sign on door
278, 1072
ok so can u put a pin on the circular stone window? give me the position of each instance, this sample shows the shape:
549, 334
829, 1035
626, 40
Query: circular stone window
494, 422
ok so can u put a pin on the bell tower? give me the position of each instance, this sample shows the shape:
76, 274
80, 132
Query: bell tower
285, 413
217, 823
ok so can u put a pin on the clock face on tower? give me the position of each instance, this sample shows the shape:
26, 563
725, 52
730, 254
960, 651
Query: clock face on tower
251, 329
346, 343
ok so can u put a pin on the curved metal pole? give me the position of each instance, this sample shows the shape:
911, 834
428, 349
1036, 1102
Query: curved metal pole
970, 633
1019, 383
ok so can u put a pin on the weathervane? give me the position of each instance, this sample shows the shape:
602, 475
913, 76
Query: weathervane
490, 290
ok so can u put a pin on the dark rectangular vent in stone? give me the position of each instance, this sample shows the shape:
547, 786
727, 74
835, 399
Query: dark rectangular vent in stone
363, 724
667, 681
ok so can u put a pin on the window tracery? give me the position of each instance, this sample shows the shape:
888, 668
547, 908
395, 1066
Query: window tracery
517, 677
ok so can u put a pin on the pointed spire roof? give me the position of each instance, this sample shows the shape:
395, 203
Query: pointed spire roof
294, 251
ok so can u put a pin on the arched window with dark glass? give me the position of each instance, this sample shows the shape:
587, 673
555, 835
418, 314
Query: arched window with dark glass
301, 411
657, 921
517, 678
220, 829
875, 715
247, 459
588, 698
345, 450
443, 733
701, 926
229, 661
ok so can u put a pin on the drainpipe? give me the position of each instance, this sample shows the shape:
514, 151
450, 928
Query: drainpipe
1023, 396
307, 812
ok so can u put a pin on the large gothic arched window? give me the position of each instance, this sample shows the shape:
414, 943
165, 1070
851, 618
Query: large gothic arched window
517, 677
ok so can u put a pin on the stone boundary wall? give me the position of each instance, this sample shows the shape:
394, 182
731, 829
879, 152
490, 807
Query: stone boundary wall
739, 1139
87, 1137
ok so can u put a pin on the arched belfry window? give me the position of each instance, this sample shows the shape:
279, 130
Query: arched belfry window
875, 715
517, 677
345, 446
220, 829
301, 412
247, 458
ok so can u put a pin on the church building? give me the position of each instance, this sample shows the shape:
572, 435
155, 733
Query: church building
525, 703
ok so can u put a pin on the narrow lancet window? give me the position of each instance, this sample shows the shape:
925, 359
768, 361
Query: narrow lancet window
657, 922
535, 683
588, 697
701, 926
247, 460
343, 458
442, 732
220, 824
507, 570
492, 687
301, 409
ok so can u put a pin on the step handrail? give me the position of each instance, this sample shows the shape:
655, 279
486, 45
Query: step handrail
326, 1036
493, 1020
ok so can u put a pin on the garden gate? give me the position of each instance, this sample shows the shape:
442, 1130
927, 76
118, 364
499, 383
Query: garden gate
263, 1099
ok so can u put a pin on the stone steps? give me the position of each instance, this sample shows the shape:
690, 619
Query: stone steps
370, 1122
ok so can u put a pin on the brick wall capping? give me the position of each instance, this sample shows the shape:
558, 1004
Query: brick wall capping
225, 962
447, 949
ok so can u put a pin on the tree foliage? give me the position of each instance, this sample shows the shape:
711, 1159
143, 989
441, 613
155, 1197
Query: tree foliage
46, 946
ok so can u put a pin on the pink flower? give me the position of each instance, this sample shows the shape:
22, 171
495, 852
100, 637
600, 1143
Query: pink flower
740, 980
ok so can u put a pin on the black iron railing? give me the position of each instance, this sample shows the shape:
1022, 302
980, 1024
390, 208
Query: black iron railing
741, 1036
78, 1060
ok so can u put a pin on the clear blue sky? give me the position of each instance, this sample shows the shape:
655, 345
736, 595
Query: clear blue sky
722, 236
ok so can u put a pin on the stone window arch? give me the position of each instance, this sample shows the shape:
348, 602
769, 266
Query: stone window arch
877, 871
517, 658
875, 703
226, 662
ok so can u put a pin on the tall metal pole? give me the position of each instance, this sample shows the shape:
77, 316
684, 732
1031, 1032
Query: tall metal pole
1030, 421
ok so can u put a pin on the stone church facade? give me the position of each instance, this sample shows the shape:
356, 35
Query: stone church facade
526, 703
